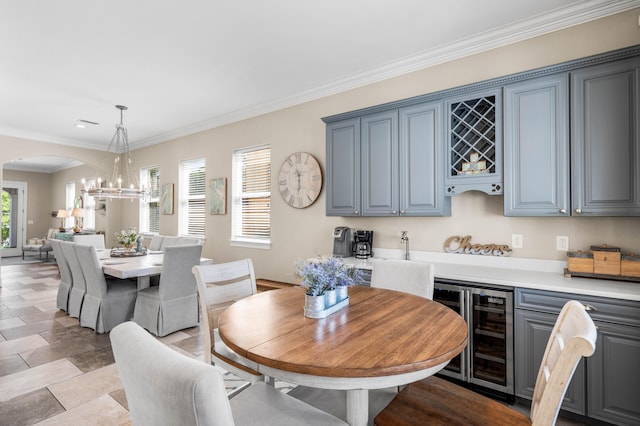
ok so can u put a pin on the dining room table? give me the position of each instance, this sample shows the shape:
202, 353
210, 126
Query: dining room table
142, 267
382, 338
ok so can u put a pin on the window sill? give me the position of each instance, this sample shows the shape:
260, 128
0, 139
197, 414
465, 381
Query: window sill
262, 245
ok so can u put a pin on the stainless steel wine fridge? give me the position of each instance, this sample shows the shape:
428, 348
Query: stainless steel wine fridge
487, 360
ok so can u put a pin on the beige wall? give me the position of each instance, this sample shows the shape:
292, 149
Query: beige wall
303, 233
39, 201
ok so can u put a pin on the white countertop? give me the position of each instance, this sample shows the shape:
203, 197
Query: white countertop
510, 271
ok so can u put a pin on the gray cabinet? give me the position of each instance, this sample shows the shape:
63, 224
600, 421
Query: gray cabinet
605, 139
474, 136
536, 147
606, 385
343, 168
387, 164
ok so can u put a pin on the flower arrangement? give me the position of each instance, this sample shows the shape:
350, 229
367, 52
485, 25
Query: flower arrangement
127, 238
324, 275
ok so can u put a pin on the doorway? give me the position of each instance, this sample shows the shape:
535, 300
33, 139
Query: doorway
13, 217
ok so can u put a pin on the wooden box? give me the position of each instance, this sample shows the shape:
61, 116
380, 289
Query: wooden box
630, 266
606, 262
580, 262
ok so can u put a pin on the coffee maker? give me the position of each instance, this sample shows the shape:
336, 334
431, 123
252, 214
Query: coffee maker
342, 242
363, 244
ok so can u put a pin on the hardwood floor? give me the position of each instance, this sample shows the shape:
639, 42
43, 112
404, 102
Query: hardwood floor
54, 372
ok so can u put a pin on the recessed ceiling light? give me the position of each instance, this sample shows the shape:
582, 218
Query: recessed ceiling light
80, 125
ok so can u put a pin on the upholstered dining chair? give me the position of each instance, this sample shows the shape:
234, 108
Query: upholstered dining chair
169, 241
435, 401
79, 286
403, 275
108, 302
172, 305
156, 243
96, 240
219, 285
165, 387
64, 289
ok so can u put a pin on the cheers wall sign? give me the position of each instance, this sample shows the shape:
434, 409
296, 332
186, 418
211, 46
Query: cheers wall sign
463, 245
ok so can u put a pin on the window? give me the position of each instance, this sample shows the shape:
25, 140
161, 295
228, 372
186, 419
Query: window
191, 213
251, 198
150, 208
70, 198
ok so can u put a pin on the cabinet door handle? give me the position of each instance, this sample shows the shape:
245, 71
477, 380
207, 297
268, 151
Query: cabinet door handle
355, 212
578, 211
563, 211
393, 212
401, 211
588, 307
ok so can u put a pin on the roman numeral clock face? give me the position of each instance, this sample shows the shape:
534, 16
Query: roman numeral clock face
300, 180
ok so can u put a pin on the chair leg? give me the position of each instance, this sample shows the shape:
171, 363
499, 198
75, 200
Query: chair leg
271, 381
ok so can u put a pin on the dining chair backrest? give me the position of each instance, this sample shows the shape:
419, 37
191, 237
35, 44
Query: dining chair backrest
63, 265
219, 284
185, 241
96, 240
573, 336
156, 243
69, 252
169, 241
404, 275
91, 269
163, 386
176, 278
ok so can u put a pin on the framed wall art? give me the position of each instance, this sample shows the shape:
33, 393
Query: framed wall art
166, 201
218, 196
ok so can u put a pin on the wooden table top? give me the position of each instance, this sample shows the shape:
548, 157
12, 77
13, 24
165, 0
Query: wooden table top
380, 333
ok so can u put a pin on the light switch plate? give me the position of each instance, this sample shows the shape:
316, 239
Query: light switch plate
517, 241
562, 243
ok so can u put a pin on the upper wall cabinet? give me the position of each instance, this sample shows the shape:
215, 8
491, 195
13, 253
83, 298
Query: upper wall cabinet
343, 168
536, 147
387, 164
605, 139
474, 135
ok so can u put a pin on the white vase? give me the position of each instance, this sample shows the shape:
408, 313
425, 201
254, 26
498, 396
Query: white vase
342, 292
313, 303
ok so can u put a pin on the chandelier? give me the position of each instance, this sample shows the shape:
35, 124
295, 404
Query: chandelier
118, 187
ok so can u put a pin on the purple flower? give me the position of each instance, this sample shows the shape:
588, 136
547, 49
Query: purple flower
326, 274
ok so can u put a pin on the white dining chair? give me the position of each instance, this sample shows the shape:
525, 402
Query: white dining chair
79, 286
156, 243
219, 285
96, 240
107, 302
172, 305
64, 289
165, 387
435, 401
404, 275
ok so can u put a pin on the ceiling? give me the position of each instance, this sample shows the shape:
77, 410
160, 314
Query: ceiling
183, 67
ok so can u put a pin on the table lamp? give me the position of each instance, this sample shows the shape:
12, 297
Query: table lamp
62, 215
77, 213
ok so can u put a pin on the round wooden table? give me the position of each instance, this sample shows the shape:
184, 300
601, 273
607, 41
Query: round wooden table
382, 338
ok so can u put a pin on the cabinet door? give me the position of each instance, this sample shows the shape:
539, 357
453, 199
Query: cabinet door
614, 375
532, 331
605, 139
343, 168
421, 161
536, 147
380, 164
474, 128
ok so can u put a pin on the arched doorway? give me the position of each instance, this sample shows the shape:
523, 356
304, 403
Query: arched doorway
13, 208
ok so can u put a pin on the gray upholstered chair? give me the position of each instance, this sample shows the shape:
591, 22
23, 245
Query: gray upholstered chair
165, 387
219, 285
169, 241
96, 240
62, 299
404, 275
40, 245
79, 287
172, 305
156, 243
108, 302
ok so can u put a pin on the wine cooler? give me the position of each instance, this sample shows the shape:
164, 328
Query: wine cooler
487, 360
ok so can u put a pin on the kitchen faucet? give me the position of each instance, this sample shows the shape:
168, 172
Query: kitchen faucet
404, 239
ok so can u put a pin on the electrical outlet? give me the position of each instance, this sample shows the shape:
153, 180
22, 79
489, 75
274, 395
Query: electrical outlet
562, 243
516, 241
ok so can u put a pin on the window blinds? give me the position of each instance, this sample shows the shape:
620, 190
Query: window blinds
192, 197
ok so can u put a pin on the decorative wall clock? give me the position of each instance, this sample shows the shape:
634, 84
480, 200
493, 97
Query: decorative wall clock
300, 180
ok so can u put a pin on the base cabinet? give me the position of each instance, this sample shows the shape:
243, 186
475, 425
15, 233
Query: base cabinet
605, 386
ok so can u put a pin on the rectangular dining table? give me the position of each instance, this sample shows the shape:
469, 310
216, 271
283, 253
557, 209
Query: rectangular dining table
382, 338
140, 267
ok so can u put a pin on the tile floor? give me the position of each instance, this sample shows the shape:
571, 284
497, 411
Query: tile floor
54, 372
